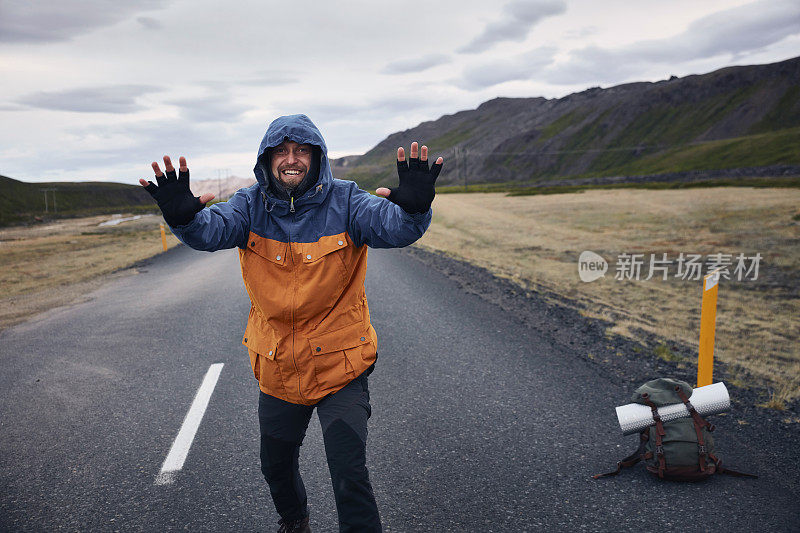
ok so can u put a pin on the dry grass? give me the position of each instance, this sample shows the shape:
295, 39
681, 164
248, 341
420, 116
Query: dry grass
46, 266
536, 241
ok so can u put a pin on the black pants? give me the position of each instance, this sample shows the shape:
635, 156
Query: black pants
343, 416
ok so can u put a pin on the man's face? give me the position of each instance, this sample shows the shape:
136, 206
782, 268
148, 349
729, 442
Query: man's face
290, 162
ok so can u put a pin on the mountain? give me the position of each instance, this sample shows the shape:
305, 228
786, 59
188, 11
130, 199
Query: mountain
746, 116
223, 188
21, 201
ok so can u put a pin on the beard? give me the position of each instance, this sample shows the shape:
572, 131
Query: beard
291, 181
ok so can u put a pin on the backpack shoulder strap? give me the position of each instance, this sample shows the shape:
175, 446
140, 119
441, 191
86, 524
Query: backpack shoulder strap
699, 420
659, 451
632, 459
728, 471
699, 424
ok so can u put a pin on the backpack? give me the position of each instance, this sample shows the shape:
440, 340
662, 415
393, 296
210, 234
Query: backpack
680, 449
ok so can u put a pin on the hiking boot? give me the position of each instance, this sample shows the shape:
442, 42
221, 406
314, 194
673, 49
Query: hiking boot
295, 526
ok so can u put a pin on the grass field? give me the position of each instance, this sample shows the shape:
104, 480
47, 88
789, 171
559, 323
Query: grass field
536, 241
529, 189
45, 266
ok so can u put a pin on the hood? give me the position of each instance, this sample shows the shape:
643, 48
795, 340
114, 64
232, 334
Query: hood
300, 129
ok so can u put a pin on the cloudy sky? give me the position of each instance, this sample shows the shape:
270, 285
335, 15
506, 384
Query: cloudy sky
97, 89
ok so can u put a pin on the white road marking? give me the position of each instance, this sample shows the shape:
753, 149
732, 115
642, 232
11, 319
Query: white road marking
180, 448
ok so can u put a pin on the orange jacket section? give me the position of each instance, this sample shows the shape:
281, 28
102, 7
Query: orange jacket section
309, 332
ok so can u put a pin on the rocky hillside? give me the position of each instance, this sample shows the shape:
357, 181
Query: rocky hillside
732, 118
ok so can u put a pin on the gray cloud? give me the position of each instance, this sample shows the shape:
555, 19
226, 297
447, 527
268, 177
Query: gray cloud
43, 21
270, 78
518, 18
368, 109
415, 64
213, 108
113, 99
150, 23
734, 31
521, 67
148, 140
324, 112
405, 102
578, 33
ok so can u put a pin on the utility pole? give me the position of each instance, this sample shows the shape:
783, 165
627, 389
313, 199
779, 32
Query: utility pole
53, 190
227, 173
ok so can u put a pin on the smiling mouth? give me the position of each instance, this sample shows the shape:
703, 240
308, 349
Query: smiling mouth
292, 172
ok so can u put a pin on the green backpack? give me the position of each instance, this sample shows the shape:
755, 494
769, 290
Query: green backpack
681, 449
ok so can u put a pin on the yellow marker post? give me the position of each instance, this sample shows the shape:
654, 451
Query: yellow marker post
708, 323
164, 244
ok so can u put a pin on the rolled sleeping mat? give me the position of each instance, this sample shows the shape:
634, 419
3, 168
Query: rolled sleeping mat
708, 400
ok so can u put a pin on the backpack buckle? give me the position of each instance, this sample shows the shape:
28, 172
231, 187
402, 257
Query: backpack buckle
702, 449
659, 450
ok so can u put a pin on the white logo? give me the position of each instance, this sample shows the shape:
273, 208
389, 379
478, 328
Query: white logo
591, 266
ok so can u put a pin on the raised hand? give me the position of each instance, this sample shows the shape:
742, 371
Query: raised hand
172, 194
415, 191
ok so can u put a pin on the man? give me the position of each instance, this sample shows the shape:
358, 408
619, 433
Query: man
302, 237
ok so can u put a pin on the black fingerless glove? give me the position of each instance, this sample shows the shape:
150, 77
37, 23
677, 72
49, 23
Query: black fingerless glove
173, 196
416, 189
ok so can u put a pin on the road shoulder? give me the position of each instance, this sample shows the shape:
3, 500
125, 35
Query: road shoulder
559, 321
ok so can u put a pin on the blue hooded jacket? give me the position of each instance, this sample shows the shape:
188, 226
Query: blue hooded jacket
303, 265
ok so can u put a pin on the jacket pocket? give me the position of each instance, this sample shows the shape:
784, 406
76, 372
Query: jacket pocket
259, 337
263, 350
262, 347
314, 251
254, 363
333, 352
271, 250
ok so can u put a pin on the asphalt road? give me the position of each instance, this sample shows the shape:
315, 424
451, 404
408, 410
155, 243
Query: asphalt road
479, 422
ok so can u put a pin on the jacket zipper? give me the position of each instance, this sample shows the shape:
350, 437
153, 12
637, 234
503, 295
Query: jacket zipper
294, 278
